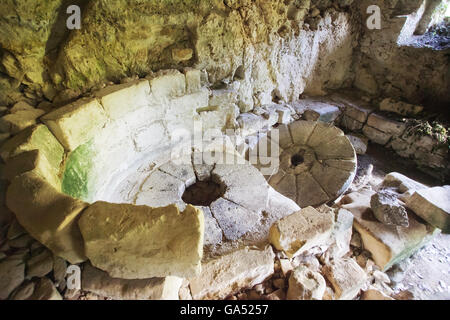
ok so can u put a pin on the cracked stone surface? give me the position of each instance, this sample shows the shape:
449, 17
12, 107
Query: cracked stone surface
317, 165
242, 214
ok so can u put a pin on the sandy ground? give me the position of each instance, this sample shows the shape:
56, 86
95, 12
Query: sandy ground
427, 273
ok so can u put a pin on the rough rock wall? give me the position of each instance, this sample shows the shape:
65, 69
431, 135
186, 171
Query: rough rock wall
265, 49
418, 75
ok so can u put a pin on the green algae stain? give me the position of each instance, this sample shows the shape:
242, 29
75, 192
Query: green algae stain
76, 179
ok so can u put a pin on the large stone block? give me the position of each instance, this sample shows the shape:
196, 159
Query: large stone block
302, 231
388, 244
100, 283
433, 205
48, 215
121, 99
34, 138
233, 272
76, 123
139, 242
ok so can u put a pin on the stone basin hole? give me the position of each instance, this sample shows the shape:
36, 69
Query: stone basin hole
203, 193
297, 159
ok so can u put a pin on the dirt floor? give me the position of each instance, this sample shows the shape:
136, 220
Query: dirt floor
427, 273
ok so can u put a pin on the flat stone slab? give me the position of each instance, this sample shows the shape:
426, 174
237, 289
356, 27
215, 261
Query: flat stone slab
139, 242
232, 273
433, 205
388, 244
316, 166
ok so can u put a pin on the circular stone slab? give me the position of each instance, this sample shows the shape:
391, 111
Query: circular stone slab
238, 204
317, 163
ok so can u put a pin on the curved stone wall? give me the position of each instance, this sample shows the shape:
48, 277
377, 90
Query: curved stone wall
75, 157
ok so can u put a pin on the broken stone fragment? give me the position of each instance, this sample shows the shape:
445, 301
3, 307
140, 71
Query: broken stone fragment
76, 123
302, 231
387, 244
433, 205
232, 273
47, 215
387, 208
100, 283
346, 277
305, 284
114, 235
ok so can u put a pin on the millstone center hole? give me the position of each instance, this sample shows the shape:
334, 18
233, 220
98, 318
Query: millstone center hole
297, 159
203, 193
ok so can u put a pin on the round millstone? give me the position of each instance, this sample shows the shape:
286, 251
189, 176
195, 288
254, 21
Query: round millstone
317, 164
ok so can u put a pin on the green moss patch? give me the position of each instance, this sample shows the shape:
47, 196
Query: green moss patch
77, 176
